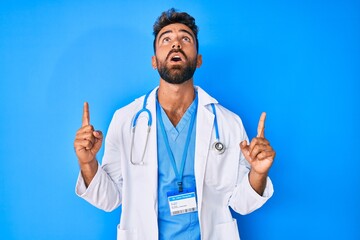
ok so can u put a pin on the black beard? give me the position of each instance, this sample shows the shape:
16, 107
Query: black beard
177, 74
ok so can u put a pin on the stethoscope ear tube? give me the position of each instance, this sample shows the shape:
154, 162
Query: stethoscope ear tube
218, 146
144, 109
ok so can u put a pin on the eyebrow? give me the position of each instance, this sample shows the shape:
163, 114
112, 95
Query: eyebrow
184, 30
181, 30
168, 31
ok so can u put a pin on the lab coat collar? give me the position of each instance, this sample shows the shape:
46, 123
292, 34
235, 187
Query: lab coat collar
204, 98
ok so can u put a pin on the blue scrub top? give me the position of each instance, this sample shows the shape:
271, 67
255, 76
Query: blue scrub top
184, 226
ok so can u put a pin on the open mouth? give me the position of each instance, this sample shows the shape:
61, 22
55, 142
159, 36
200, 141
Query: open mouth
176, 58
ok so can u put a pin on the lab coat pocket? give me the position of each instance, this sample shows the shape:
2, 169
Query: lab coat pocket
221, 169
228, 230
126, 234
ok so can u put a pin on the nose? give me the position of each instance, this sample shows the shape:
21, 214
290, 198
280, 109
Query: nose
176, 45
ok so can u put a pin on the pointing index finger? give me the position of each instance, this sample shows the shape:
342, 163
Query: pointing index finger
261, 125
86, 115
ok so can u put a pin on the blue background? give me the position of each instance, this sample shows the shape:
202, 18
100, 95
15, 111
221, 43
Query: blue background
297, 60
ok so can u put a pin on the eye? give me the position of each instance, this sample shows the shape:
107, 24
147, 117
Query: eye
166, 39
186, 39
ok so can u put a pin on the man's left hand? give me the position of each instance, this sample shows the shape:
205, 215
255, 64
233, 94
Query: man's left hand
259, 153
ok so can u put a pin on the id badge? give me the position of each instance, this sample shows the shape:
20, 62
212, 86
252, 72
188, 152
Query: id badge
182, 202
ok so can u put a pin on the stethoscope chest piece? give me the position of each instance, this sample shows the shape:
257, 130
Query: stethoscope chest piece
219, 147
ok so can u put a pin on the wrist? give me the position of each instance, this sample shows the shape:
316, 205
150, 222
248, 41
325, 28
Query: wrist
258, 181
88, 166
88, 171
258, 175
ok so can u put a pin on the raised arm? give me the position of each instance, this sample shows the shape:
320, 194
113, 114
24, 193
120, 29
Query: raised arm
87, 143
260, 155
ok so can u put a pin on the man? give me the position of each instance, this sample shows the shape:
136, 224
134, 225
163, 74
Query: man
177, 180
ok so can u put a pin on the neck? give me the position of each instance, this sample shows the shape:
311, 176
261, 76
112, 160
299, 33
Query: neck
175, 99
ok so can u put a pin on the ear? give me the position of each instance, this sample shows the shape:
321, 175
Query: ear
153, 62
199, 60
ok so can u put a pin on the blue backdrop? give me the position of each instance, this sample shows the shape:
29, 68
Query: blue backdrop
297, 60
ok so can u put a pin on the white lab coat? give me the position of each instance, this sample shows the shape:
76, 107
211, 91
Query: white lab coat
221, 180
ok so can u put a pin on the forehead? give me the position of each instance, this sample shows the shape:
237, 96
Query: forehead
174, 28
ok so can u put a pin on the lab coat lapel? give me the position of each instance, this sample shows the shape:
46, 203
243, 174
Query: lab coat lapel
140, 202
152, 153
204, 128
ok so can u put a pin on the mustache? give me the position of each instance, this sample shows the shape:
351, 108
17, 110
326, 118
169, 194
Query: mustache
176, 51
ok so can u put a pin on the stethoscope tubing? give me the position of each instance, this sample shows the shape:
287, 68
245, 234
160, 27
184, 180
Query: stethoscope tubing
217, 145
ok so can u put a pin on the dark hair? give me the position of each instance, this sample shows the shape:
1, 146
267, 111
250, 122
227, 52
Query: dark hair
172, 16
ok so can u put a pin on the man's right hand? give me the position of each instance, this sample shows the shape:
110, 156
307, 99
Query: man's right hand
87, 143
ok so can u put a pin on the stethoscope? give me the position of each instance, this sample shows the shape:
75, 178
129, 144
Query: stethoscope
217, 146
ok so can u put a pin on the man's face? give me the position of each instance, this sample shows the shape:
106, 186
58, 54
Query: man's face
176, 55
